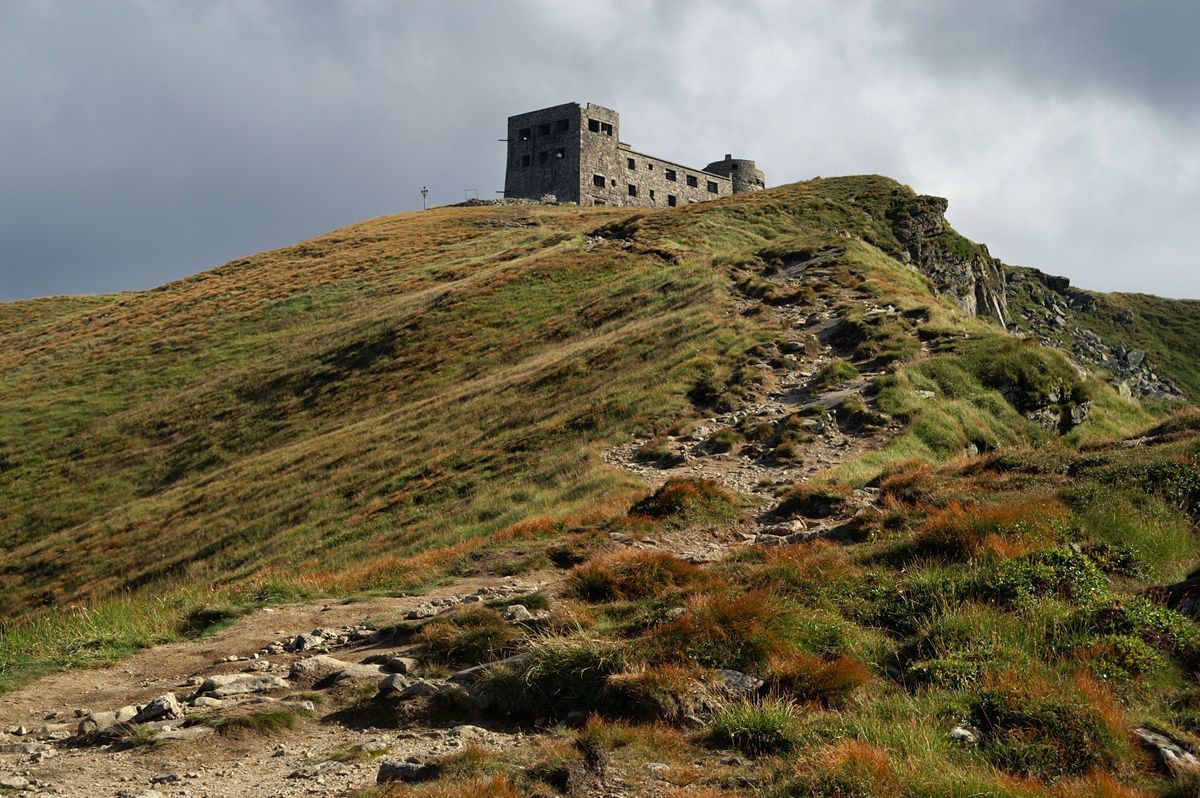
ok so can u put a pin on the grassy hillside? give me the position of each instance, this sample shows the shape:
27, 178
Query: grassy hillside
365, 409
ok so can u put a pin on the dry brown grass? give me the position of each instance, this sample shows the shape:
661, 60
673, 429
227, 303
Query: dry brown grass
632, 575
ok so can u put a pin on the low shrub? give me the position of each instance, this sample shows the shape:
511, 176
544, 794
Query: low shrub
658, 453
630, 575
807, 677
683, 501
1034, 727
742, 632
1133, 616
766, 726
1058, 572
1120, 657
903, 606
471, 637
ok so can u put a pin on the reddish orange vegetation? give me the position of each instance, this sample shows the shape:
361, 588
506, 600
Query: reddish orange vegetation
852, 766
1104, 703
741, 631
969, 532
632, 575
818, 562
811, 678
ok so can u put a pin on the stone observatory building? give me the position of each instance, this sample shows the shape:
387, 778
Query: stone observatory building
574, 153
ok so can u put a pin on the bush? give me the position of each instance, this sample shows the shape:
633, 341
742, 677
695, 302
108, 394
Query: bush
1049, 731
1120, 657
1164, 629
742, 632
683, 501
767, 726
472, 637
630, 575
1059, 572
807, 677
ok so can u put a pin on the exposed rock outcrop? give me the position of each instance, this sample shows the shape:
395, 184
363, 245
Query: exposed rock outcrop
958, 268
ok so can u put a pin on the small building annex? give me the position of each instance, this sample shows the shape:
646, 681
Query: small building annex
574, 153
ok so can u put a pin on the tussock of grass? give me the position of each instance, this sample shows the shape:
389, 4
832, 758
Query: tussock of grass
266, 724
469, 637
766, 726
630, 575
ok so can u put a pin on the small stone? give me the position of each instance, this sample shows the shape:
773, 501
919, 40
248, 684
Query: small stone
406, 771
14, 783
965, 734
517, 613
165, 707
166, 778
398, 664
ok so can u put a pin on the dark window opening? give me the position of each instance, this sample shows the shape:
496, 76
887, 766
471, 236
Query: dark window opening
671, 200
562, 125
651, 193
733, 167
712, 187
671, 175
544, 130
594, 125
606, 128
543, 156
632, 190
596, 201
526, 134
560, 153
650, 166
691, 181
524, 160
598, 181
629, 163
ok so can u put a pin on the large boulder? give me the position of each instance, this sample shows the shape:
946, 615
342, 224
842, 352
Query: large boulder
322, 666
165, 707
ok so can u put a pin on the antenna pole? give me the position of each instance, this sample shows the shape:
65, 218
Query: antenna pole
424, 194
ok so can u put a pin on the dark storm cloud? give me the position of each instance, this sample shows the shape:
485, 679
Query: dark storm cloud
141, 141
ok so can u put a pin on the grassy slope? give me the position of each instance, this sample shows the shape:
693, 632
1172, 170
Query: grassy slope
356, 409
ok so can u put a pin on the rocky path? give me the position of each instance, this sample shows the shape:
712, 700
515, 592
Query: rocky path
303, 657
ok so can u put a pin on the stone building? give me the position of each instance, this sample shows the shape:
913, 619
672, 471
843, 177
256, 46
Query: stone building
575, 154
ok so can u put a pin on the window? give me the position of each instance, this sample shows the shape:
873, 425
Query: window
712, 187
598, 201
524, 160
562, 125
691, 181
671, 200
671, 175
651, 193
598, 181
525, 134
632, 190
560, 153
733, 167
544, 130
629, 163
543, 156
594, 125
606, 128
650, 166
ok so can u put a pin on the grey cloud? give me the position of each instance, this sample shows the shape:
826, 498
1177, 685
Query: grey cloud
143, 141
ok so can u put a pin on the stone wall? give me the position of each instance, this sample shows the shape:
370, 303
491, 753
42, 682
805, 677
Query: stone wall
575, 153
744, 174
543, 154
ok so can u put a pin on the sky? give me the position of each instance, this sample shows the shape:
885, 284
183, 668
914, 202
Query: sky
142, 141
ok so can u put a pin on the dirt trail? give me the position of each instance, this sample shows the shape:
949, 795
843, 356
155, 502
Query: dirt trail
298, 762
